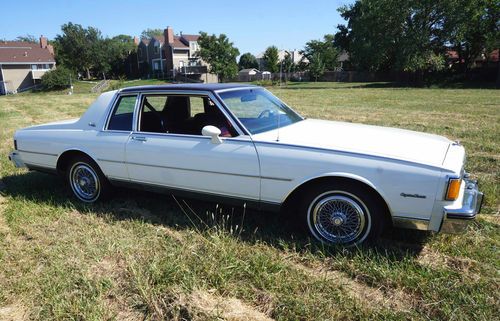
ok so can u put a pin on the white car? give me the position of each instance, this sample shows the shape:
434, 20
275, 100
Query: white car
239, 144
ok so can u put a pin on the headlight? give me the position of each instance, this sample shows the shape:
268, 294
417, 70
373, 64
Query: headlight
453, 189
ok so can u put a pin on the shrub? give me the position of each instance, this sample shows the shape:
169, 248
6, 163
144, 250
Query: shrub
58, 78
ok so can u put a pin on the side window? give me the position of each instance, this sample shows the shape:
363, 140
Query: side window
122, 116
181, 114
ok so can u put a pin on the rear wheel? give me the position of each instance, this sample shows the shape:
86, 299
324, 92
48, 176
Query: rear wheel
342, 213
86, 180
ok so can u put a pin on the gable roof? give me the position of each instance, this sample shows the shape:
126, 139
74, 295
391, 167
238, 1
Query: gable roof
179, 44
19, 52
160, 39
191, 37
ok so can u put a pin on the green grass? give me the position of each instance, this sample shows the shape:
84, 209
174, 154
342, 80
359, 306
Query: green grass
140, 256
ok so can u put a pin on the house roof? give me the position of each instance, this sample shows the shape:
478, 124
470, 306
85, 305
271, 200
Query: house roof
161, 39
191, 37
179, 44
248, 70
19, 52
145, 41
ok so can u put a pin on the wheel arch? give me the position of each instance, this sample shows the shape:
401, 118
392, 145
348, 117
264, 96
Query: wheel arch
292, 198
67, 155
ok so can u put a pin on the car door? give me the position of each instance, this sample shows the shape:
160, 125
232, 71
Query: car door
168, 149
109, 145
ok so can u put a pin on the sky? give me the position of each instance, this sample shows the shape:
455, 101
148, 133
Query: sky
251, 25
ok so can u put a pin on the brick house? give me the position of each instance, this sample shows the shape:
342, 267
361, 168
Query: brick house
22, 64
173, 57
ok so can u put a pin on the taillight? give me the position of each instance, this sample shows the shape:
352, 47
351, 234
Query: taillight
453, 189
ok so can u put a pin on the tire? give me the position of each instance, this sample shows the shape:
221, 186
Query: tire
342, 213
86, 180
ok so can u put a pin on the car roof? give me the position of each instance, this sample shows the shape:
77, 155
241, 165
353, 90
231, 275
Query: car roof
201, 87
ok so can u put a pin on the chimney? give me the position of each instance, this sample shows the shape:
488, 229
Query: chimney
43, 42
169, 35
136, 41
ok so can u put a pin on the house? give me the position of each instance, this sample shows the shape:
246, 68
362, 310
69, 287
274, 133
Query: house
173, 57
249, 74
295, 55
22, 64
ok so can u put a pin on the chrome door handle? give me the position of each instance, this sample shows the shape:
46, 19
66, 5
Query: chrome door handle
139, 138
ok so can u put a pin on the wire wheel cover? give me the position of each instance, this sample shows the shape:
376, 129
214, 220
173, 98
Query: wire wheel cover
84, 182
338, 219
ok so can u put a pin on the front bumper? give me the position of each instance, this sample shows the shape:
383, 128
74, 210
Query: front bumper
16, 159
456, 219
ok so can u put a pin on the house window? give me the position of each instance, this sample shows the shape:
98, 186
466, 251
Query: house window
34, 67
157, 48
156, 65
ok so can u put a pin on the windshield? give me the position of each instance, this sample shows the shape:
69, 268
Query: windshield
259, 110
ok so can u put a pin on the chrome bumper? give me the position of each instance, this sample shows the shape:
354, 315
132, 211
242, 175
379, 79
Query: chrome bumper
16, 159
456, 219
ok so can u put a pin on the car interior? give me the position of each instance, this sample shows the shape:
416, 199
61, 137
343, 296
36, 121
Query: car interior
176, 116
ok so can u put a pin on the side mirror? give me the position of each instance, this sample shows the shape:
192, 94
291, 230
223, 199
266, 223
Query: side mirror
213, 132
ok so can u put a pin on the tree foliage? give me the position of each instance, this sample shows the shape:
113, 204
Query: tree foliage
79, 48
148, 33
406, 35
27, 38
247, 61
316, 66
58, 78
325, 48
271, 59
84, 49
220, 54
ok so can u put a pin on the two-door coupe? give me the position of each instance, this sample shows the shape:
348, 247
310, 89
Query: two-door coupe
240, 144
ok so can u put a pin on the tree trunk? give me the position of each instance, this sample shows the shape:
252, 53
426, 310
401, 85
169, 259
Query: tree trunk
88, 73
498, 75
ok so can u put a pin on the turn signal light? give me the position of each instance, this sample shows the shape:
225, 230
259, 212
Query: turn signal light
453, 189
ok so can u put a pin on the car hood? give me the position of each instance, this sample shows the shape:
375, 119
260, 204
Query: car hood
422, 148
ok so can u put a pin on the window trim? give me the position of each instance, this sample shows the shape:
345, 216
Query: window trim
115, 104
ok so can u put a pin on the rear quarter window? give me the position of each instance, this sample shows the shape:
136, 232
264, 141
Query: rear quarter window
123, 113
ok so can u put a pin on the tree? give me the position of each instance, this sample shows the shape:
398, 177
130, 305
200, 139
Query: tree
79, 48
316, 66
287, 65
271, 59
406, 35
326, 49
220, 54
58, 78
247, 60
148, 33
27, 38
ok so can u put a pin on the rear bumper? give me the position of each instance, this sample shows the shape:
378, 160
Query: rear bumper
16, 159
456, 219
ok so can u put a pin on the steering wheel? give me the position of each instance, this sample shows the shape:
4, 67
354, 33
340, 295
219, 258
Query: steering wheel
266, 111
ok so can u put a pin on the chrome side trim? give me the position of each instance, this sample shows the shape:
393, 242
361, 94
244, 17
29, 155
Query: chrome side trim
410, 223
39, 153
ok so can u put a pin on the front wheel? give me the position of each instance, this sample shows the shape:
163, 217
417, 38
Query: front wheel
342, 214
86, 180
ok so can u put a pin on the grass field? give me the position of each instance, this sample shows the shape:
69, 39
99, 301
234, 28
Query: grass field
153, 257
